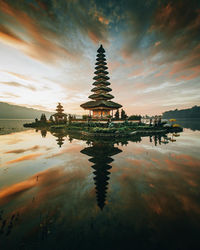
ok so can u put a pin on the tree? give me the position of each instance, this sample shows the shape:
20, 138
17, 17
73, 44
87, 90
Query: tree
43, 118
123, 114
135, 117
117, 114
51, 118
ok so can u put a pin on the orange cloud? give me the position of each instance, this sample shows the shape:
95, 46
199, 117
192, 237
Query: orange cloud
103, 20
161, 72
93, 36
40, 47
190, 76
9, 37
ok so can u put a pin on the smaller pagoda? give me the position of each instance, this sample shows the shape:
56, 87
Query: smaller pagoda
101, 103
59, 116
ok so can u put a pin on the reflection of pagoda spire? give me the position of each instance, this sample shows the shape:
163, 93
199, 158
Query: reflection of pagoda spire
43, 132
101, 152
60, 141
101, 181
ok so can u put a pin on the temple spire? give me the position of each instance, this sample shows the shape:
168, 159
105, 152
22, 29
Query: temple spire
101, 104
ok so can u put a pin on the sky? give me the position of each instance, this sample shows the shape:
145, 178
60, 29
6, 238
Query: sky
48, 52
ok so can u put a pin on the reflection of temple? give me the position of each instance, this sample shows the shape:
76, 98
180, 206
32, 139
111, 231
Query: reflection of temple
101, 153
60, 138
158, 139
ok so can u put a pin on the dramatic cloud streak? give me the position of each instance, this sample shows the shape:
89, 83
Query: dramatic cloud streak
49, 47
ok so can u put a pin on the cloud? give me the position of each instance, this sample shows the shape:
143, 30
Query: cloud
9, 95
16, 84
18, 75
147, 44
163, 30
9, 37
38, 46
48, 36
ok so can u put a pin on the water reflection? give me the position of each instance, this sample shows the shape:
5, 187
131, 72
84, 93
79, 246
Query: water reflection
49, 196
101, 153
193, 124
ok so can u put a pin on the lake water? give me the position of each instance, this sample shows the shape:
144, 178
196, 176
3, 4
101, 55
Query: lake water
60, 192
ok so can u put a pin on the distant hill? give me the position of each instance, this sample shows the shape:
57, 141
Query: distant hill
193, 112
9, 111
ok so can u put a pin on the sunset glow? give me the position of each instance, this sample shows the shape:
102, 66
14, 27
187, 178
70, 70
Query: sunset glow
48, 51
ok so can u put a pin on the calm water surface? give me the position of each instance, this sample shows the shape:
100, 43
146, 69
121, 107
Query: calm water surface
60, 192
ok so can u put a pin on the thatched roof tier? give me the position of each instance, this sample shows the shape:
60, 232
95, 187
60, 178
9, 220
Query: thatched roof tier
59, 108
101, 76
59, 114
105, 83
101, 104
101, 96
101, 72
101, 63
100, 59
100, 55
101, 159
103, 88
101, 67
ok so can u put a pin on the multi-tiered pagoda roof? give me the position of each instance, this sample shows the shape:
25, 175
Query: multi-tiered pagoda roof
59, 116
101, 97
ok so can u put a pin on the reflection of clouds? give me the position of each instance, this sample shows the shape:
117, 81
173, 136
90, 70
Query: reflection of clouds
72, 149
24, 158
19, 151
151, 189
164, 183
49, 183
9, 193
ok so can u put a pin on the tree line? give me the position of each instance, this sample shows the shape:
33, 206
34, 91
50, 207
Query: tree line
193, 112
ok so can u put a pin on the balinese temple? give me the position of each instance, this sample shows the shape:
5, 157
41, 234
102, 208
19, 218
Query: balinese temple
59, 116
101, 153
101, 104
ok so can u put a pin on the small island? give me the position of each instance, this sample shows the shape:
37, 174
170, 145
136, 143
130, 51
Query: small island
101, 121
